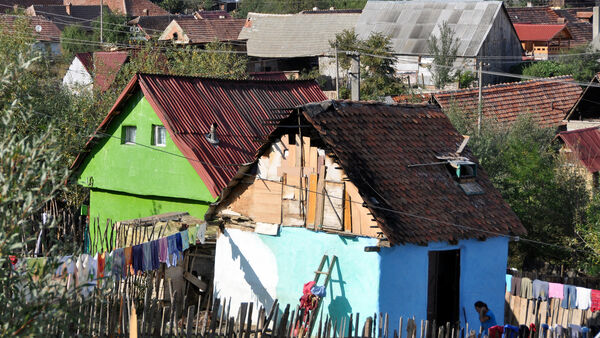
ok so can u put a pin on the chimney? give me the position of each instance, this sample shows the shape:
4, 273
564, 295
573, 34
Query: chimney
68, 8
560, 20
595, 22
211, 137
529, 4
145, 11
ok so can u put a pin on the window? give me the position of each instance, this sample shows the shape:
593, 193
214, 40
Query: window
159, 136
128, 135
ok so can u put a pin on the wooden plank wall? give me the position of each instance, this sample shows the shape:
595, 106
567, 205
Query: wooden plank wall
299, 185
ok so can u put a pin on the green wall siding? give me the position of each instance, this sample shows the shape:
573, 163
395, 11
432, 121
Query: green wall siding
141, 169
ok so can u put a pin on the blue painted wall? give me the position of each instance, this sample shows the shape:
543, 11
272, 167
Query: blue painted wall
404, 270
354, 285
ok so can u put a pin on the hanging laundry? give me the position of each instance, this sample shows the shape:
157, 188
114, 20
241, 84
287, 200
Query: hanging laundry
66, 265
540, 290
86, 273
515, 289
595, 300
201, 234
147, 256
108, 263
127, 253
162, 250
137, 254
555, 290
101, 265
179, 243
185, 240
155, 262
583, 298
193, 232
173, 250
569, 297
118, 265
526, 288
508, 282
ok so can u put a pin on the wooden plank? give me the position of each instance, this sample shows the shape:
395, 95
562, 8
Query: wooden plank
333, 209
320, 198
347, 211
195, 281
298, 153
312, 199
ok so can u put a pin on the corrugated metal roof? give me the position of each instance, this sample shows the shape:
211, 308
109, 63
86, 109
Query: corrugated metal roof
375, 143
410, 23
294, 35
535, 32
188, 106
585, 145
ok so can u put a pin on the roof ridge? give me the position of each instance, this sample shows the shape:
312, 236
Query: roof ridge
507, 84
576, 131
225, 79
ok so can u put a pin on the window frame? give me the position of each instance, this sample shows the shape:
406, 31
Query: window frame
125, 137
155, 135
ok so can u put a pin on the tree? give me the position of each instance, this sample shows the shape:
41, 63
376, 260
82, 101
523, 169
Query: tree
114, 28
443, 49
549, 198
217, 59
75, 39
581, 62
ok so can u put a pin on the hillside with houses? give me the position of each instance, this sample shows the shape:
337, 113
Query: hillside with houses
300, 168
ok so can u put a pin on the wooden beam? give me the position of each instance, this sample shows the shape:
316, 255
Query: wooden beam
195, 281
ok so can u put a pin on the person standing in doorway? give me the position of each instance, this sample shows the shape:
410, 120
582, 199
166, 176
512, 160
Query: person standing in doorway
486, 317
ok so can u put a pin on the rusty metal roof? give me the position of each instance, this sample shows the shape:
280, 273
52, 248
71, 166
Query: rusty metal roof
375, 143
585, 145
188, 106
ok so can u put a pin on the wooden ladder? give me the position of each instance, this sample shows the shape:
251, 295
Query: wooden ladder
318, 273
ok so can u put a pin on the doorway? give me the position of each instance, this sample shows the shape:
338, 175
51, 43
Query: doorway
443, 304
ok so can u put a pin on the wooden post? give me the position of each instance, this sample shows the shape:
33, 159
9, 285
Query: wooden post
479, 104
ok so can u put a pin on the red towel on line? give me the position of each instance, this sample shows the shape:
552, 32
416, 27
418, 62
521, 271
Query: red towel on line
595, 306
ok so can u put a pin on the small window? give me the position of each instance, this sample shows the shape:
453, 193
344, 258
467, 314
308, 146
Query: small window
159, 136
128, 136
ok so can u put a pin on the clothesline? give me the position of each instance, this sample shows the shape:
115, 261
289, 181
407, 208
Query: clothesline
86, 270
572, 296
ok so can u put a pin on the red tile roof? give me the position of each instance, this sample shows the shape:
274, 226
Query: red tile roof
533, 32
548, 101
9, 5
106, 67
188, 106
209, 30
129, 8
43, 30
375, 143
272, 76
87, 60
585, 145
533, 15
580, 30
212, 14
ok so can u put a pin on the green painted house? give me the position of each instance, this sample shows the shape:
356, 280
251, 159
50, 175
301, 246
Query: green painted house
155, 153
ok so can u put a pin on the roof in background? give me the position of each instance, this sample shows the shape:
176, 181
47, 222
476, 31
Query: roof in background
375, 143
79, 14
8, 5
107, 66
271, 76
155, 25
43, 30
411, 23
129, 8
294, 35
534, 32
209, 30
87, 60
585, 145
579, 27
188, 106
547, 101
202, 14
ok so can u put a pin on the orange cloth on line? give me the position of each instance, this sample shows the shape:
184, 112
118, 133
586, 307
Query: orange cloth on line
128, 259
101, 262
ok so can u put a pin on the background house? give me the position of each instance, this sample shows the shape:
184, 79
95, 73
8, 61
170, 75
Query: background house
416, 225
295, 42
581, 149
67, 15
194, 31
585, 112
482, 27
541, 41
45, 32
129, 8
546, 101
151, 154
79, 77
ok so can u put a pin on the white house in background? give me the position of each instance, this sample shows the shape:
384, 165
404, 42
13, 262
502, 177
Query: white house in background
79, 76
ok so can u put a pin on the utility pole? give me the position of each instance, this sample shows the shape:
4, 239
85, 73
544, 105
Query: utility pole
337, 74
101, 21
479, 105
354, 75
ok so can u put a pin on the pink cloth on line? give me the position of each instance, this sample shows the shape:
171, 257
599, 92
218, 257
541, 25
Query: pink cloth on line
162, 249
555, 290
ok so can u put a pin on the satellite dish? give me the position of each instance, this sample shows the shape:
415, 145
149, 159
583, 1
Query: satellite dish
38, 28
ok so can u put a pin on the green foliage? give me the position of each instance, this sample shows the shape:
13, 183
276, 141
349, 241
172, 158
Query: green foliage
313, 74
466, 78
217, 59
114, 29
523, 165
75, 39
443, 49
294, 6
376, 61
589, 232
581, 62
174, 6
